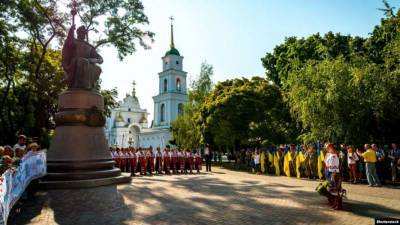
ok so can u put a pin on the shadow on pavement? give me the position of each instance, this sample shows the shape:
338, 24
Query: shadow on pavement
226, 203
23, 212
208, 200
370, 210
102, 205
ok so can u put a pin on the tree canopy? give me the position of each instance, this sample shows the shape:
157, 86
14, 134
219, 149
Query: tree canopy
341, 88
31, 76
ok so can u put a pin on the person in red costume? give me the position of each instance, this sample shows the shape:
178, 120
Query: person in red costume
133, 162
128, 155
190, 158
174, 161
159, 159
197, 161
167, 161
182, 160
150, 160
124, 159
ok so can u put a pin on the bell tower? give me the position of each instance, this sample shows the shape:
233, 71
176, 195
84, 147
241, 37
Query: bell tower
172, 95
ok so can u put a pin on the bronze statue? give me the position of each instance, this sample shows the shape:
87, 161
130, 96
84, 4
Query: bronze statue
79, 60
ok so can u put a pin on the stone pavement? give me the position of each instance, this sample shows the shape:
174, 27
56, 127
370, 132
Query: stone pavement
221, 197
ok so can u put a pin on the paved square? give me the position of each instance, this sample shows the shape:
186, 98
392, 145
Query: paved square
221, 197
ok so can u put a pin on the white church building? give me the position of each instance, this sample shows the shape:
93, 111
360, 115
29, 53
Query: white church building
127, 125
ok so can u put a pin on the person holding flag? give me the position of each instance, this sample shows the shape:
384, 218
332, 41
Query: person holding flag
286, 160
270, 160
299, 160
320, 160
263, 158
292, 159
277, 159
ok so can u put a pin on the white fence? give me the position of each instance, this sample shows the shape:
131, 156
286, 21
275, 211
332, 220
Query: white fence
15, 180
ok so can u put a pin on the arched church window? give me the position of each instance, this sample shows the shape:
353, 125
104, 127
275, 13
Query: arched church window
129, 109
180, 109
165, 85
162, 112
129, 120
177, 62
178, 84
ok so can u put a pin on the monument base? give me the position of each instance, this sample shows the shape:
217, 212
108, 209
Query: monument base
78, 156
89, 183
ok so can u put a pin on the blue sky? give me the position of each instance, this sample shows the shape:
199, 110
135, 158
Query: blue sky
232, 35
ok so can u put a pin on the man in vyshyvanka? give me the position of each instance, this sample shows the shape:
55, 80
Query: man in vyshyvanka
190, 160
150, 160
167, 161
79, 60
133, 162
197, 161
174, 160
182, 161
159, 159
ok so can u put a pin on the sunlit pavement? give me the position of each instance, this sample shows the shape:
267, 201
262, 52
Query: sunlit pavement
220, 197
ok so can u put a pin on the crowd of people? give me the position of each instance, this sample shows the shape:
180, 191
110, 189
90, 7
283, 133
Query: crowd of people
144, 161
370, 162
11, 156
333, 164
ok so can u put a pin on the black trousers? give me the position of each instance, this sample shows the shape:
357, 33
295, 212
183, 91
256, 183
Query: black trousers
208, 162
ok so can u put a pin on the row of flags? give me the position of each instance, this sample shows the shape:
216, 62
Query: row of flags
274, 157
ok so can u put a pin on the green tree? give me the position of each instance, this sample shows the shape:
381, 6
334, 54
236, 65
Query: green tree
185, 129
342, 88
243, 111
31, 32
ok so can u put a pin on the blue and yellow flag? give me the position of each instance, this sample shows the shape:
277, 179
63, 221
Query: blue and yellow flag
321, 158
286, 167
270, 157
276, 164
262, 159
299, 160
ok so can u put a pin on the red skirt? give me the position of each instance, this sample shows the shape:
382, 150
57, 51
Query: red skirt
134, 165
167, 165
182, 163
151, 163
143, 165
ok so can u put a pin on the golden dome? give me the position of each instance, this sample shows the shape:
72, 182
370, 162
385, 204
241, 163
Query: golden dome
119, 118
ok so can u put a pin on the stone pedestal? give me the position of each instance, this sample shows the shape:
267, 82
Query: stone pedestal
79, 154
